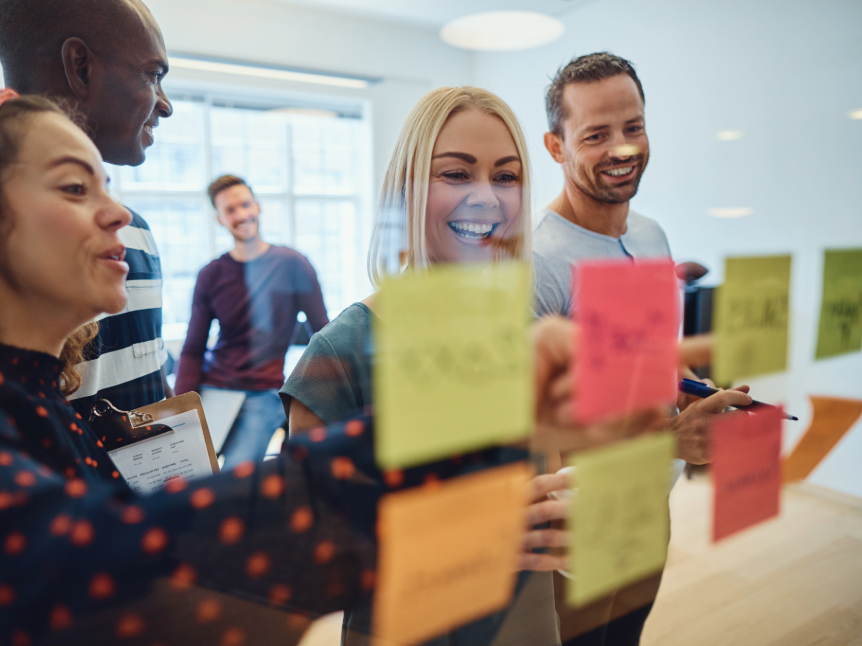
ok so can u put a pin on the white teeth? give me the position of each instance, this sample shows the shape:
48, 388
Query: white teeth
617, 172
472, 229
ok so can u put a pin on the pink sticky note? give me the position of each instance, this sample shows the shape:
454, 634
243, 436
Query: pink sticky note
746, 470
628, 321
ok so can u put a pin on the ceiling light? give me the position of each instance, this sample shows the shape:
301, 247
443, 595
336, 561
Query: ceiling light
731, 212
728, 135
856, 114
502, 31
261, 71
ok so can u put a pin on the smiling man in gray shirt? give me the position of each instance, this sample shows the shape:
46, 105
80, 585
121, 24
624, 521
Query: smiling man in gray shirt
595, 107
598, 134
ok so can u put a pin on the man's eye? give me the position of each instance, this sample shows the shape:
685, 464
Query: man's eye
636, 128
594, 137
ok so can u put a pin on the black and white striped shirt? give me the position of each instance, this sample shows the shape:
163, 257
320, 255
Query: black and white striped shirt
125, 360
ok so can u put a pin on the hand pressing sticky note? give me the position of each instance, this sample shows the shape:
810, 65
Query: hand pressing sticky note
751, 316
452, 371
841, 311
628, 316
746, 469
619, 523
448, 553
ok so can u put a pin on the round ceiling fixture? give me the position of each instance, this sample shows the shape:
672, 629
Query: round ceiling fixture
502, 31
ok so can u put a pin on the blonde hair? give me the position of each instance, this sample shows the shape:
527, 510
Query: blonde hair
405, 185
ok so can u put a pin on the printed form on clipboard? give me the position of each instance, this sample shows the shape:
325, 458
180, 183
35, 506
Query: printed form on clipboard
182, 450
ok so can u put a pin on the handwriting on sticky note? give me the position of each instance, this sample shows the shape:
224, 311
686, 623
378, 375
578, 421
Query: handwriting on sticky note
832, 418
453, 367
746, 470
841, 310
751, 317
628, 316
448, 553
619, 519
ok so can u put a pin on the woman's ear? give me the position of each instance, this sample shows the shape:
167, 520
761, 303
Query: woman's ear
78, 64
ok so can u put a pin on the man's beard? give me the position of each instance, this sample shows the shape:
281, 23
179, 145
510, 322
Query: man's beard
254, 232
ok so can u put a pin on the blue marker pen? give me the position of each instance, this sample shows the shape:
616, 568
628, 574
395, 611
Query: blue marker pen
698, 389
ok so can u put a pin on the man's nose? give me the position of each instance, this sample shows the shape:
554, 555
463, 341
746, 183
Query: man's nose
163, 105
617, 140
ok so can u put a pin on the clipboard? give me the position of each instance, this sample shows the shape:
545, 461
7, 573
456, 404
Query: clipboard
182, 404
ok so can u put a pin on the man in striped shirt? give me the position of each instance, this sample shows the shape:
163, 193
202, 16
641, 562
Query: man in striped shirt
107, 59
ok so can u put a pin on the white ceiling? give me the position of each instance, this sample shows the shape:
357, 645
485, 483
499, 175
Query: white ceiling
435, 13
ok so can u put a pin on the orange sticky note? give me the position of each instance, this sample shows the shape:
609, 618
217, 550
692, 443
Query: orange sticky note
832, 418
746, 470
628, 316
448, 553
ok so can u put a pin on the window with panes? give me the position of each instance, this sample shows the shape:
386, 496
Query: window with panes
304, 165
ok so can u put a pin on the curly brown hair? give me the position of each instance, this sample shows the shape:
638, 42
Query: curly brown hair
14, 117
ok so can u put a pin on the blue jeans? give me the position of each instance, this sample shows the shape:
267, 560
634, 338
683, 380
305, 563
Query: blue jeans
258, 418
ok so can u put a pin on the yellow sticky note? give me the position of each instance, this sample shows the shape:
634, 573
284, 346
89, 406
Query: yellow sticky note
448, 553
841, 311
751, 317
619, 521
452, 370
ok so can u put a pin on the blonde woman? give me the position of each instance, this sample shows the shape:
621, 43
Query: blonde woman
458, 185
457, 188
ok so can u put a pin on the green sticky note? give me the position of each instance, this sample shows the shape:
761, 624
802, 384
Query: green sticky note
751, 316
841, 310
619, 524
453, 368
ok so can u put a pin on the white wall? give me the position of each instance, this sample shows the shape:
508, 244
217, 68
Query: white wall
786, 74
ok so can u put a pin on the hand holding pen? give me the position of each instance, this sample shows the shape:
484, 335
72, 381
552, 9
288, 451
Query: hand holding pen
698, 389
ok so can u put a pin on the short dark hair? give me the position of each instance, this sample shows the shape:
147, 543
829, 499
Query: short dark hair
223, 183
584, 69
32, 34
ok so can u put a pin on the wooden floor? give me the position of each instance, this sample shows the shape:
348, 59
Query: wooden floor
792, 581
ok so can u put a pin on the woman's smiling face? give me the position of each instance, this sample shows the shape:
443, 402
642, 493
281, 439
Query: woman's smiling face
474, 191
63, 251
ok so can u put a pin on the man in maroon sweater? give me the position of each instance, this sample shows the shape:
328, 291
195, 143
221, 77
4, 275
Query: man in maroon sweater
255, 292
